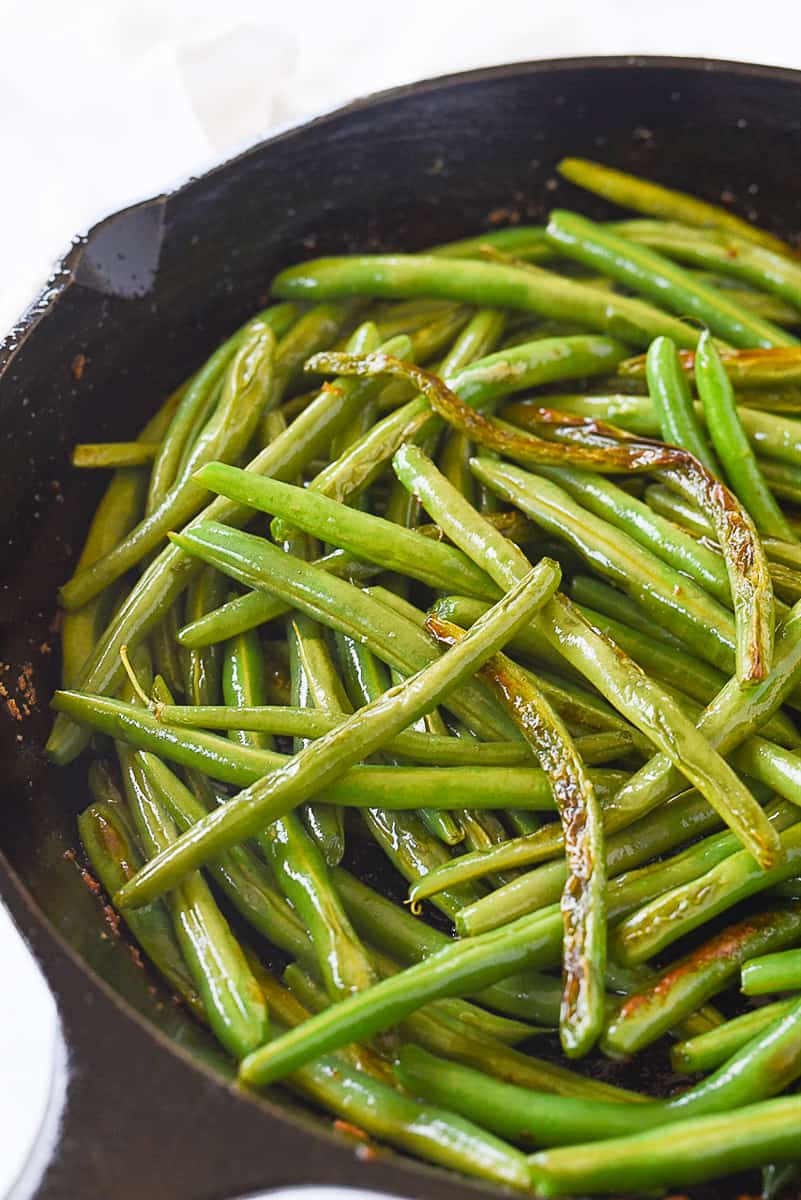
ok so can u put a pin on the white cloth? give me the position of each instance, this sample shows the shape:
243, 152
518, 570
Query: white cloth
104, 102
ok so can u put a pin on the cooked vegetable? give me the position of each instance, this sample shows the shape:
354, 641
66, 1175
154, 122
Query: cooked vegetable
350, 646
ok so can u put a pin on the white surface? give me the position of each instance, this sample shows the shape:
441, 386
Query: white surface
104, 102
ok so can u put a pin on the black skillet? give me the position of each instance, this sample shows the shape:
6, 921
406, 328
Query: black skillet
133, 308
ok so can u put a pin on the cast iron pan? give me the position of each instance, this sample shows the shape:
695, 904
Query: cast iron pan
134, 307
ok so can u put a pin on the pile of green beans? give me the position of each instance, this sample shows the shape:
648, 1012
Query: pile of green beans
499, 614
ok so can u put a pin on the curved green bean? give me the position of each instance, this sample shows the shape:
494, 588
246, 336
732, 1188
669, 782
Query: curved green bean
670, 392
327, 759
732, 444
529, 290
643, 195
646, 272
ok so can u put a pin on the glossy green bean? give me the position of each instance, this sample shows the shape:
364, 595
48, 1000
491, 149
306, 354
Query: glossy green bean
226, 435
396, 788
524, 241
682, 986
583, 897
725, 253
529, 290
710, 1147
117, 513
359, 533
327, 759
773, 436
102, 455
337, 605
606, 450
656, 833
170, 572
708, 1050
364, 1101
682, 671
461, 968
671, 599
433, 749
764, 1067
779, 972
114, 857
732, 445
647, 706
646, 272
532, 994
233, 1001
783, 480
643, 195
727, 721
670, 393
658, 924
239, 873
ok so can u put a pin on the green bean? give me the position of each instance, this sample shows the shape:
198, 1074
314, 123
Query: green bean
630, 191
682, 986
673, 600
760, 302
783, 480
115, 516
430, 340
659, 831
461, 968
649, 929
359, 533
529, 290
531, 994
233, 1001
648, 273
170, 572
366, 679
257, 608
479, 382
772, 973
166, 651
433, 749
396, 788
710, 1147
314, 682
670, 392
732, 444
583, 900
326, 760
524, 241
590, 592
764, 1067
721, 252
682, 671
239, 873
101, 455
226, 435
731, 717
748, 575
115, 858
337, 605
708, 1050
243, 685
608, 668
776, 437
366, 1102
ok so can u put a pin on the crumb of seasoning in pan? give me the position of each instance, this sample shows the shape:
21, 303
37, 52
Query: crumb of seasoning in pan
351, 1130
504, 216
77, 367
366, 1152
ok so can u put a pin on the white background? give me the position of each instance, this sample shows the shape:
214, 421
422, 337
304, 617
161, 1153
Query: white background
104, 102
